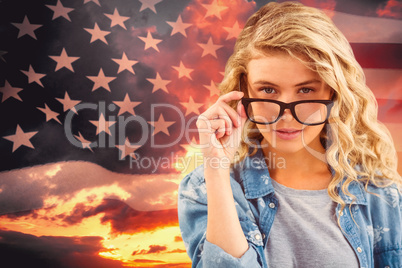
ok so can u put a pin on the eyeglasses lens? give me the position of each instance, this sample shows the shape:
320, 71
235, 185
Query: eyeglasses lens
311, 113
263, 112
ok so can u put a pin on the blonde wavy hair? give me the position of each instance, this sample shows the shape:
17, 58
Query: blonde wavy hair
358, 139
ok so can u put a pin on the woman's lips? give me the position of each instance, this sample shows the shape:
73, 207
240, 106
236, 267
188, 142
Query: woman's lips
287, 133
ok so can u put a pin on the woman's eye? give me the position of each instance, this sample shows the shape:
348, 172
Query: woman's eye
269, 90
305, 90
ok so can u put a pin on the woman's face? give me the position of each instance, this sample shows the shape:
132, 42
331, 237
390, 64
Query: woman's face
283, 78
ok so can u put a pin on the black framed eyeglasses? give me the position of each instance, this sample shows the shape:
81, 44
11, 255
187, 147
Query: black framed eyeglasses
306, 112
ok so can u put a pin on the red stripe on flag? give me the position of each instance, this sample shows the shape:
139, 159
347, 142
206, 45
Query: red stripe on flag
389, 110
379, 56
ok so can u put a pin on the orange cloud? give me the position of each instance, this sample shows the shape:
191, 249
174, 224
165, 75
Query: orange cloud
178, 238
178, 250
144, 263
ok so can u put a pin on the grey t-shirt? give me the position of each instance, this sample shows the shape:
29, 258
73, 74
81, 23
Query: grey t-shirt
305, 232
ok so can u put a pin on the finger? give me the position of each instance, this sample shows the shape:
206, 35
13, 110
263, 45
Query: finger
219, 127
232, 114
205, 131
228, 124
233, 95
229, 121
223, 110
206, 126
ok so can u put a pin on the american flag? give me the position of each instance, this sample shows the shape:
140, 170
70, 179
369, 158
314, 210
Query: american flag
98, 107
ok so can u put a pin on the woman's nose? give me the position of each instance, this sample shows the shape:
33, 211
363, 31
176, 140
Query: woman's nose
287, 116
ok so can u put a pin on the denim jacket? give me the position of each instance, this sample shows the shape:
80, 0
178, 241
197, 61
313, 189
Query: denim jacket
374, 230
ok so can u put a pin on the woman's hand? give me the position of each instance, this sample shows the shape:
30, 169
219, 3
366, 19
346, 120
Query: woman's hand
220, 128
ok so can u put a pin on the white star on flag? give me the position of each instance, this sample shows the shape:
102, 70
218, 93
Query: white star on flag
161, 125
179, 26
97, 34
127, 105
213, 90
60, 11
116, 19
64, 60
94, 1
127, 149
102, 125
2, 53
26, 28
125, 64
183, 71
214, 9
149, 4
101, 81
85, 143
159, 83
9, 91
49, 114
150, 41
191, 106
33, 76
68, 104
209, 48
21, 138
233, 31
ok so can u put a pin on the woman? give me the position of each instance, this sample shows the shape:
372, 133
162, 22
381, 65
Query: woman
297, 170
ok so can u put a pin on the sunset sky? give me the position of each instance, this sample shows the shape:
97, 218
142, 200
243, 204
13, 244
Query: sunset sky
91, 206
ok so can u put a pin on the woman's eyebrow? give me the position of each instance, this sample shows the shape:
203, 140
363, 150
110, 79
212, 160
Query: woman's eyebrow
312, 81
264, 82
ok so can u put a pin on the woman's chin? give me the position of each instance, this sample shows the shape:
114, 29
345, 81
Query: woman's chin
292, 146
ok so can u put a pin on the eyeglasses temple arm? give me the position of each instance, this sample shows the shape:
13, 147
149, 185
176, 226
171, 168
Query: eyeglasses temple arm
240, 78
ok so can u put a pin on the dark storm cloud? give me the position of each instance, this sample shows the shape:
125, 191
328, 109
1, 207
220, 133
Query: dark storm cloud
123, 218
360, 7
23, 250
152, 250
156, 249
372, 8
24, 190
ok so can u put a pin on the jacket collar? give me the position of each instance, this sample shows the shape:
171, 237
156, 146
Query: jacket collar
356, 189
254, 176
